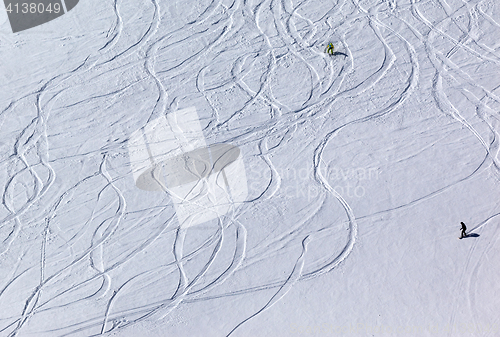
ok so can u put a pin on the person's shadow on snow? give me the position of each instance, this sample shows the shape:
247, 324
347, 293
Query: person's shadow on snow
472, 235
337, 53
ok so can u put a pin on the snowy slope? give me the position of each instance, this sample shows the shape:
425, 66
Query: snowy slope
343, 216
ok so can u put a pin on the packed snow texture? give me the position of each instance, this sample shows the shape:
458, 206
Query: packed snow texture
358, 169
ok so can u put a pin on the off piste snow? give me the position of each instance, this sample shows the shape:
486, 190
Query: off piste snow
249, 168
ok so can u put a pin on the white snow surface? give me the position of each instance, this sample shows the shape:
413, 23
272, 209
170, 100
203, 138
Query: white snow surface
359, 169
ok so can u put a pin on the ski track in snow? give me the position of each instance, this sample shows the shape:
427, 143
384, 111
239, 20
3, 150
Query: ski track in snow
76, 233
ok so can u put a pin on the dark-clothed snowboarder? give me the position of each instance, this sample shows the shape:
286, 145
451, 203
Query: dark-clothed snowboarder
463, 231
